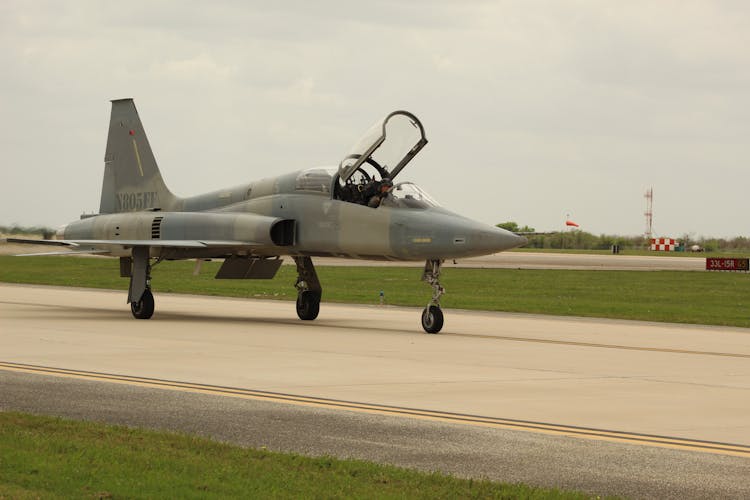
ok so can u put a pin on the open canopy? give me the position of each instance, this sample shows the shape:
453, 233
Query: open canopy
387, 146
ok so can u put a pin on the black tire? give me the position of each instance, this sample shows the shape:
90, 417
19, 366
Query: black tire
432, 319
144, 308
308, 305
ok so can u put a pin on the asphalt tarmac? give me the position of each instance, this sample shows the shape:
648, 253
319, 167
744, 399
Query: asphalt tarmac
546, 388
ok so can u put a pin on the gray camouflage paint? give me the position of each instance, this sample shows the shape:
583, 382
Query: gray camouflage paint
239, 220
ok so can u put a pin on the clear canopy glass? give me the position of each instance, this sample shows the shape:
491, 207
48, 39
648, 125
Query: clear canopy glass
387, 146
314, 179
408, 195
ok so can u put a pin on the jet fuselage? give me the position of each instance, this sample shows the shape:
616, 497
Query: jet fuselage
322, 226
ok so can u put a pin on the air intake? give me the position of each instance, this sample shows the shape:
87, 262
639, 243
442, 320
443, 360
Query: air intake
282, 232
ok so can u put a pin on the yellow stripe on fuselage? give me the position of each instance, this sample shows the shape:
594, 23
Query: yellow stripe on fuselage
137, 157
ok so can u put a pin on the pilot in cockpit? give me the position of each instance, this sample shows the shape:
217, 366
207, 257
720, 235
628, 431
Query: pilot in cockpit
379, 192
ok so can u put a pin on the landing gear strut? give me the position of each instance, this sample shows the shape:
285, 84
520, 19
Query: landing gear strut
432, 316
139, 293
308, 288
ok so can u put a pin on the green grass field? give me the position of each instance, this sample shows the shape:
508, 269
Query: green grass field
670, 296
44, 457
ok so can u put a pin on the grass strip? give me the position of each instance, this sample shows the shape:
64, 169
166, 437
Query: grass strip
45, 457
711, 298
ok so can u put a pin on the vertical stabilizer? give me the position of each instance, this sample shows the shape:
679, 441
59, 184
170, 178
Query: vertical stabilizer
132, 180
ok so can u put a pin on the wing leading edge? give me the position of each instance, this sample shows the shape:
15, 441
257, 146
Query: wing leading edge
94, 246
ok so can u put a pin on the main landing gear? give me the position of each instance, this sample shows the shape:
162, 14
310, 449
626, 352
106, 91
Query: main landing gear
144, 308
432, 316
308, 288
138, 269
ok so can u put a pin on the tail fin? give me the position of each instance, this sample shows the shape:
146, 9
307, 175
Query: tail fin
132, 180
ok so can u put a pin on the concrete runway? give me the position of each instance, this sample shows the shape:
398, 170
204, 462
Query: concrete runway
679, 381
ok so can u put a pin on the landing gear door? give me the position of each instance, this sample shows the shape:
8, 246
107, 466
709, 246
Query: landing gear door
388, 145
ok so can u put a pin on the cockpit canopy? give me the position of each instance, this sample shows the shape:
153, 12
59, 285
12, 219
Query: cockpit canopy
314, 179
389, 145
401, 195
408, 195
378, 157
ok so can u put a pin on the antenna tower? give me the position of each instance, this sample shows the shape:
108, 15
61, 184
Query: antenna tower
649, 212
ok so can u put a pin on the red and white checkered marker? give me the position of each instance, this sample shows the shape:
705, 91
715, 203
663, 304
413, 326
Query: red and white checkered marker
663, 244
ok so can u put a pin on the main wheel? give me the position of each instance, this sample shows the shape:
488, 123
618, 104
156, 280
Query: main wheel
144, 308
308, 305
432, 319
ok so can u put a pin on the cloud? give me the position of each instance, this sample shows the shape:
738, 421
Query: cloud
536, 106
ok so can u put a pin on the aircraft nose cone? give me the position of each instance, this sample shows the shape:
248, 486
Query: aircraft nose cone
497, 239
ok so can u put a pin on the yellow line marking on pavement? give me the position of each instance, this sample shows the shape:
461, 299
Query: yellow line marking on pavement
455, 418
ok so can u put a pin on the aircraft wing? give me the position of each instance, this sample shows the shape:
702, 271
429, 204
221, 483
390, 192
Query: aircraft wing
90, 246
65, 252
29, 241
73, 247
164, 243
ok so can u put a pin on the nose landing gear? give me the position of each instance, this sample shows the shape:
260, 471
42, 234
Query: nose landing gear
432, 316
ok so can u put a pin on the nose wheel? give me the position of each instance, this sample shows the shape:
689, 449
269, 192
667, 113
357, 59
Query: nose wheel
432, 316
432, 319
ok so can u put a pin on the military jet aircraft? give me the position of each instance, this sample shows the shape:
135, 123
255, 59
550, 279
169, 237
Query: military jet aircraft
357, 211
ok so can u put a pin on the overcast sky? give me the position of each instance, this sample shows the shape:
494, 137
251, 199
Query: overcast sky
533, 109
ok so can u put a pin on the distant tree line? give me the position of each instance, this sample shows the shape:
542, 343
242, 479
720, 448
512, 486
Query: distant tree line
581, 240
44, 232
